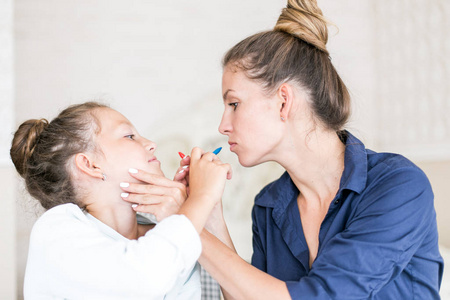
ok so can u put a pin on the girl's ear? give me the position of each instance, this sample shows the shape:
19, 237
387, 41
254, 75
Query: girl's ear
285, 94
85, 164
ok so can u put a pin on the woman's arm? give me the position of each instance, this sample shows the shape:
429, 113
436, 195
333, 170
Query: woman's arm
238, 279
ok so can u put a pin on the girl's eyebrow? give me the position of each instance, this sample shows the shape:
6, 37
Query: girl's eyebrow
125, 124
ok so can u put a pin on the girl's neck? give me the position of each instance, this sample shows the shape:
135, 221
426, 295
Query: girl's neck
120, 217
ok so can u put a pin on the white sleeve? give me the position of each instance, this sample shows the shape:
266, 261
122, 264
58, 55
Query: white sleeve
78, 261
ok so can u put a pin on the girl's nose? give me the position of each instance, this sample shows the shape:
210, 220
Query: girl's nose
149, 145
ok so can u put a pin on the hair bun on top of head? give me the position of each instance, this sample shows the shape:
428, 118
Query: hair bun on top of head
304, 20
24, 142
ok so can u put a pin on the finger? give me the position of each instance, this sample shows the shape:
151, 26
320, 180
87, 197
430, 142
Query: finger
150, 199
229, 172
209, 156
152, 178
159, 211
196, 153
138, 188
181, 175
185, 161
140, 199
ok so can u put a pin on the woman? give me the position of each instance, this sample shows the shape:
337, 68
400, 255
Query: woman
88, 244
343, 222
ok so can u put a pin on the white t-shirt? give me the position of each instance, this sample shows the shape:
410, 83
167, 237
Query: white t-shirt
73, 255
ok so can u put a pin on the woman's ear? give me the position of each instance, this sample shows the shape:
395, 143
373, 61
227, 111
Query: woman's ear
285, 94
86, 165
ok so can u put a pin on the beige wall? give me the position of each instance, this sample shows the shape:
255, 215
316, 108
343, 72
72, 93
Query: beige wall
8, 237
158, 62
438, 173
8, 269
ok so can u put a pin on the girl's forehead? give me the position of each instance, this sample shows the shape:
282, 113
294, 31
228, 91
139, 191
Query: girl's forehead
109, 114
110, 119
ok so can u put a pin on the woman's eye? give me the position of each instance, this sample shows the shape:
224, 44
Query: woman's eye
234, 105
130, 136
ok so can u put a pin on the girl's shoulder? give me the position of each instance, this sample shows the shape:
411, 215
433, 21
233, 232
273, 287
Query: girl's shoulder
62, 218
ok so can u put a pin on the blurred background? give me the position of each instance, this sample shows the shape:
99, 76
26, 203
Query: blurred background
158, 62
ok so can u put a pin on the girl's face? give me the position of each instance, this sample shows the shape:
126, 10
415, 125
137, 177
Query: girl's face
123, 148
251, 119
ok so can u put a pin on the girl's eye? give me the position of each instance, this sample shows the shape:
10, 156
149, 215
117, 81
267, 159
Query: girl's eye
234, 105
130, 136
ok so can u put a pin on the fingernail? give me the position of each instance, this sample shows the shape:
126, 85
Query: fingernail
134, 171
181, 172
185, 167
124, 195
134, 205
124, 184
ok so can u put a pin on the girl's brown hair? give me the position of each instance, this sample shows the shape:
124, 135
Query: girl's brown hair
295, 51
41, 152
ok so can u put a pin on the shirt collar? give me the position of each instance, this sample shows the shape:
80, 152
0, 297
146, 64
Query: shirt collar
280, 192
354, 177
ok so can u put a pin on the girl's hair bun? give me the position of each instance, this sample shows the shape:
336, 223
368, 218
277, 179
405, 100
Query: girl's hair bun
24, 142
304, 20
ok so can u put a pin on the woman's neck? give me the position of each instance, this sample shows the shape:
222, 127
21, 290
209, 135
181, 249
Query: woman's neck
316, 166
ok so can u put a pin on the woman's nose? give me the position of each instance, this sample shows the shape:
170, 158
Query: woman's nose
225, 125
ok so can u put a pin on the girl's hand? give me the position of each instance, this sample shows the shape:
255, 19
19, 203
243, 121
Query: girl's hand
207, 175
157, 195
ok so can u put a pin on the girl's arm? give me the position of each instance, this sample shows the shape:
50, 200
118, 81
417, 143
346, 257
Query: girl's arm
70, 257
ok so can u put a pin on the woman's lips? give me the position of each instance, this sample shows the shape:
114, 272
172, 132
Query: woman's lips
232, 145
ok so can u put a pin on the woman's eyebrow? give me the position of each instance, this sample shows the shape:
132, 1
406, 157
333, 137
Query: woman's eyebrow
226, 93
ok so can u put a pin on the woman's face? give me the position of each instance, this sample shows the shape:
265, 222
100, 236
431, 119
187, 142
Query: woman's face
123, 147
251, 119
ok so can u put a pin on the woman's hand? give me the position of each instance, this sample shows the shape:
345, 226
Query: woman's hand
157, 195
182, 174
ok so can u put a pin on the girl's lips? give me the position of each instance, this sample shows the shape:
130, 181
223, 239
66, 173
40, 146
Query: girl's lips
154, 159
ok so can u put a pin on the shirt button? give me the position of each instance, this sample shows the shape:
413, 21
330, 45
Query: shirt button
336, 201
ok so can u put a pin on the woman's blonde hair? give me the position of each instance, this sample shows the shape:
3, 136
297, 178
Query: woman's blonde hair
295, 51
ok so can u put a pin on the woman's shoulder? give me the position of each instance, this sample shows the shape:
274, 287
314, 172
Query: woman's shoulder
395, 181
393, 166
275, 191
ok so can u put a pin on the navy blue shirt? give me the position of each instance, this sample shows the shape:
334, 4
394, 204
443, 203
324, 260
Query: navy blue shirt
379, 239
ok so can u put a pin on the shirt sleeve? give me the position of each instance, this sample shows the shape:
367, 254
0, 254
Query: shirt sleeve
380, 238
258, 256
79, 261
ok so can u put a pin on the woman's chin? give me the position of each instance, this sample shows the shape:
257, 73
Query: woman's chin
247, 162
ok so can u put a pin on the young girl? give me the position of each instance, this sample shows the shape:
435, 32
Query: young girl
88, 244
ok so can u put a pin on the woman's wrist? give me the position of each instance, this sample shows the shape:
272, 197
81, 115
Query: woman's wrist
197, 210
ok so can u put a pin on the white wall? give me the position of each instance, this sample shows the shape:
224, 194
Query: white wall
158, 62
8, 272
